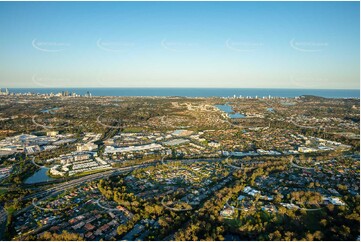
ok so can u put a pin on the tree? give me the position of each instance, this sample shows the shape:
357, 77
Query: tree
122, 229
275, 235
318, 235
278, 198
282, 210
345, 231
341, 187
309, 236
323, 222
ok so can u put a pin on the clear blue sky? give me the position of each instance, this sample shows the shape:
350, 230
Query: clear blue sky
180, 44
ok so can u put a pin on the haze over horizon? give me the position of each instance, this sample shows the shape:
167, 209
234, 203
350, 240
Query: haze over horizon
180, 44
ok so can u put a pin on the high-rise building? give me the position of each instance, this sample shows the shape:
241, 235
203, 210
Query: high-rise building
65, 93
6, 92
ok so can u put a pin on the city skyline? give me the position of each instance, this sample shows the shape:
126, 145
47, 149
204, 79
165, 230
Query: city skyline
180, 121
311, 45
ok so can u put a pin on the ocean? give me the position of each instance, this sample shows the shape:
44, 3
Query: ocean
199, 92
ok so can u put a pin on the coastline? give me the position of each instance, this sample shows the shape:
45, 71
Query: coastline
195, 92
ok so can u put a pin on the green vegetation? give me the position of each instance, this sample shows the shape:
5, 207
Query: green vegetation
89, 172
152, 197
64, 235
23, 169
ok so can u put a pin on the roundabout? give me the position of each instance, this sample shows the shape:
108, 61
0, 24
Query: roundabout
48, 126
106, 208
112, 126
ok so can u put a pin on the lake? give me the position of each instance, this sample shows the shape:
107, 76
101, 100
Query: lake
39, 176
230, 112
50, 111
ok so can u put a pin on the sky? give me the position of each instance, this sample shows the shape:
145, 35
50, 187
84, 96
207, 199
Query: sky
313, 45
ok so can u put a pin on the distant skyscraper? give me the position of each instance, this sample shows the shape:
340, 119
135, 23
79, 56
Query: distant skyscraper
4, 93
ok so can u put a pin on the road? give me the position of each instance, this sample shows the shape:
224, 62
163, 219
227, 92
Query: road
45, 209
41, 125
303, 126
76, 182
307, 209
33, 161
301, 167
106, 125
58, 188
311, 127
106, 208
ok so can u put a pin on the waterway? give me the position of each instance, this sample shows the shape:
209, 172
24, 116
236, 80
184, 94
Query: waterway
229, 110
50, 111
39, 176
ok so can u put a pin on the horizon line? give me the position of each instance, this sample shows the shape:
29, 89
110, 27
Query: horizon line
186, 88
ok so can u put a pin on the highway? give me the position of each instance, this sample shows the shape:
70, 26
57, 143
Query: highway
76, 182
60, 187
